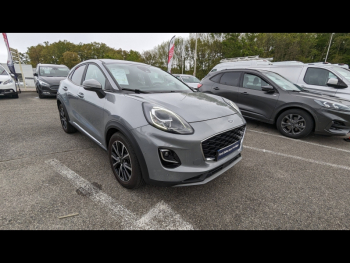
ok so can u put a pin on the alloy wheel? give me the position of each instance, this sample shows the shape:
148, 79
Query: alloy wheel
121, 161
63, 118
293, 124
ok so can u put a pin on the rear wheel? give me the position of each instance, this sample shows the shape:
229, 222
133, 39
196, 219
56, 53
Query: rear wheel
295, 123
15, 96
66, 126
124, 163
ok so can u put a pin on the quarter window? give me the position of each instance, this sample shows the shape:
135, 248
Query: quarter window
253, 82
77, 75
318, 76
216, 78
230, 78
93, 72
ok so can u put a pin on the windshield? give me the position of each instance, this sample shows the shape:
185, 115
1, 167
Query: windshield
3, 71
190, 79
145, 78
53, 71
343, 72
281, 81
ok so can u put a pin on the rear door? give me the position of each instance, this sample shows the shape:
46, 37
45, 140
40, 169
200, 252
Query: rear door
315, 79
253, 101
71, 88
227, 85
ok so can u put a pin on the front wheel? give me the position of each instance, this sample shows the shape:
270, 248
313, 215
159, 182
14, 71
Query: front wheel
295, 123
124, 163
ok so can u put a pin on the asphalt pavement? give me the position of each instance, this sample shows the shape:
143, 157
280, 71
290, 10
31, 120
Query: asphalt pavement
281, 183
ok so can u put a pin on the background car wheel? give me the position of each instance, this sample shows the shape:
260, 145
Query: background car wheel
124, 163
40, 94
15, 96
295, 123
66, 126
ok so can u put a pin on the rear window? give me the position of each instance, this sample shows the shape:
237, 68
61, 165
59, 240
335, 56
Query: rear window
230, 78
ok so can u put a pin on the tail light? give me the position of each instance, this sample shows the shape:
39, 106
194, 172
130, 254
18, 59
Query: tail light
199, 85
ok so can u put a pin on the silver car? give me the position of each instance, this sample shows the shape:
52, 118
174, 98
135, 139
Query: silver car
155, 128
190, 80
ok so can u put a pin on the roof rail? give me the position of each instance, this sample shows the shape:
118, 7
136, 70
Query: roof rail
248, 58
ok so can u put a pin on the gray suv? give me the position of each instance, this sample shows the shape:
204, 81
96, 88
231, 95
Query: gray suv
154, 127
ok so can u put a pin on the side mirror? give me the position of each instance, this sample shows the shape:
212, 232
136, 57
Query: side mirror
332, 82
268, 89
35, 74
94, 85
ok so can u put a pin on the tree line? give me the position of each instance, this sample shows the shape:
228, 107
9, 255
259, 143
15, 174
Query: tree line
211, 48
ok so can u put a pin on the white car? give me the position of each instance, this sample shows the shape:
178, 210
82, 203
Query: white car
7, 84
188, 79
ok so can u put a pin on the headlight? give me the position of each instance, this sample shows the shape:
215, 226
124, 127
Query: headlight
43, 83
165, 120
333, 105
232, 104
7, 81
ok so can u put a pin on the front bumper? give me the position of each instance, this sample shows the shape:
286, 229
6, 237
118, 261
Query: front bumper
194, 168
332, 122
48, 91
7, 92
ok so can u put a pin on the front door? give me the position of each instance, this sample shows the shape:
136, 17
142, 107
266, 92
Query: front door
254, 102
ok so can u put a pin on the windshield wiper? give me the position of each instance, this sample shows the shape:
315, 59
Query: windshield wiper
136, 90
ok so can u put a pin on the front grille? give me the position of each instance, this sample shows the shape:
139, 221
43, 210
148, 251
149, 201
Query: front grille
213, 144
54, 87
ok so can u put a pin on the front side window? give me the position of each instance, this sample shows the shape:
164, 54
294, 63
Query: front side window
48, 71
318, 76
190, 79
93, 72
281, 81
343, 72
77, 75
253, 82
230, 78
145, 78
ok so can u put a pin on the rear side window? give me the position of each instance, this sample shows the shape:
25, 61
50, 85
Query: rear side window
318, 76
216, 78
77, 75
230, 78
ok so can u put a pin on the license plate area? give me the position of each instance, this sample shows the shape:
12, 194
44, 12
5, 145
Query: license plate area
227, 150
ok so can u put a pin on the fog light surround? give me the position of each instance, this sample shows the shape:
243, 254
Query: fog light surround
169, 158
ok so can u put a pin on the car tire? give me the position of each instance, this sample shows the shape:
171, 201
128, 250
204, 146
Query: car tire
124, 163
40, 94
66, 126
295, 123
15, 96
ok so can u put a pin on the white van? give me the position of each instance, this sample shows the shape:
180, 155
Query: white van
7, 84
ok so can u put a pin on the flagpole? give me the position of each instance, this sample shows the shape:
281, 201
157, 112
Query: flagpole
330, 41
195, 57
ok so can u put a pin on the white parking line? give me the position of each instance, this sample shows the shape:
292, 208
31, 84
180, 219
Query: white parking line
161, 216
298, 158
295, 140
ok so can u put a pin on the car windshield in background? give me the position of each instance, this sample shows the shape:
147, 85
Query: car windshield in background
190, 79
3, 71
281, 81
145, 78
53, 71
343, 72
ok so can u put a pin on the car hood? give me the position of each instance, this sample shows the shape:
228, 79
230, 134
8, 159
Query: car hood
52, 80
322, 96
193, 107
4, 77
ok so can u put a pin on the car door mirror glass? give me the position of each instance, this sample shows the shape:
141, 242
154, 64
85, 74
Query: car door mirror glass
35, 74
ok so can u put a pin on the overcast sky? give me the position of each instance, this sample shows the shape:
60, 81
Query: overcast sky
126, 41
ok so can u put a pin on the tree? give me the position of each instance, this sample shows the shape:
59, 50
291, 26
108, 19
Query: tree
70, 59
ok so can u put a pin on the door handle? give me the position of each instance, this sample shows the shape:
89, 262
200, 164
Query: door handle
81, 95
65, 88
216, 88
245, 93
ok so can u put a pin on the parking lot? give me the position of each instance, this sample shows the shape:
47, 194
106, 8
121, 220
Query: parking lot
280, 183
